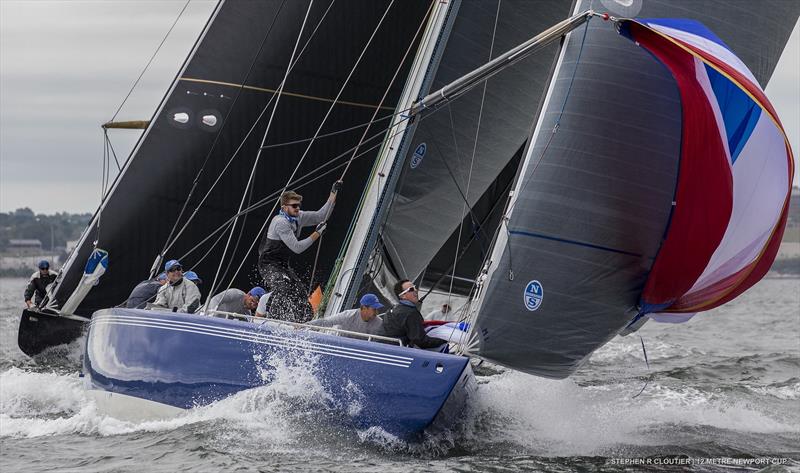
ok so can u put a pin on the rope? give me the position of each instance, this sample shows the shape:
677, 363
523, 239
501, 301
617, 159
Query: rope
151, 60
647, 363
248, 189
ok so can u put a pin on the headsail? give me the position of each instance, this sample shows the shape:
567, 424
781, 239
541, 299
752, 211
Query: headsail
594, 199
456, 154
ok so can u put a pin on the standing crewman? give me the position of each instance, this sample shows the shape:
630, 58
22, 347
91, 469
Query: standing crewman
289, 299
38, 284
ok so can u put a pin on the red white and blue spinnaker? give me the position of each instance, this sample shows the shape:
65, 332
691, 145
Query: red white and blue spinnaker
735, 177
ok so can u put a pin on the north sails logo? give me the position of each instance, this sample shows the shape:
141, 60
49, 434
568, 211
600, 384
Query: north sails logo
534, 293
419, 153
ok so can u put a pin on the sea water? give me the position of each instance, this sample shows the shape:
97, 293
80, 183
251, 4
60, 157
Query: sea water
721, 393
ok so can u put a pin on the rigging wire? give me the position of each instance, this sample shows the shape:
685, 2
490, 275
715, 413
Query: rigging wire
277, 94
113, 153
472, 161
170, 241
319, 128
333, 133
366, 130
151, 60
299, 183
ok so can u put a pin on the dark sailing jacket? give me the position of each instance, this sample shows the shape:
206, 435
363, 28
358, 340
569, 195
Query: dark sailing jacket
37, 285
143, 293
405, 322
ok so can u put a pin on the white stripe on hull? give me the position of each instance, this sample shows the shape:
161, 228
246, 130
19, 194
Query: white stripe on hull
257, 338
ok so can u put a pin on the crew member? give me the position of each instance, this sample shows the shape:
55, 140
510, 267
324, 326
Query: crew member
179, 294
145, 292
362, 320
280, 243
236, 301
404, 321
38, 284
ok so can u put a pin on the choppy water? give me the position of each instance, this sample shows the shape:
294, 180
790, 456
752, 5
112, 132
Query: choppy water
725, 389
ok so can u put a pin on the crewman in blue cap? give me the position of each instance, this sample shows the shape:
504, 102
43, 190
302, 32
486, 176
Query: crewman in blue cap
236, 301
362, 320
179, 294
38, 283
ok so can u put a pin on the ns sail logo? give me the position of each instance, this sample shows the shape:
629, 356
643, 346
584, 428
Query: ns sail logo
534, 293
419, 153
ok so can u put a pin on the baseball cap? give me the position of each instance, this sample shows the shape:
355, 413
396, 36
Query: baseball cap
161, 276
171, 264
371, 300
257, 292
192, 276
44, 264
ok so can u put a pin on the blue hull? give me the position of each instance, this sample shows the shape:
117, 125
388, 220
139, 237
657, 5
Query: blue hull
188, 360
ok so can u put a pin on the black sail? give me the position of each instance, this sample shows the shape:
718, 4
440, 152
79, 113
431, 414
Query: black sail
595, 198
237, 64
429, 203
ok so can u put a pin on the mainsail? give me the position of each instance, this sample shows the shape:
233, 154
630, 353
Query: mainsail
600, 194
201, 136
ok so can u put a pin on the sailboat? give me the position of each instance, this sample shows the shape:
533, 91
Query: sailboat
606, 226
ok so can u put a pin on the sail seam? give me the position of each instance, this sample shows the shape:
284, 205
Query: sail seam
288, 94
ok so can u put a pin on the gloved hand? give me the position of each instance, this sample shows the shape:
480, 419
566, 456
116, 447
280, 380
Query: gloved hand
336, 186
321, 228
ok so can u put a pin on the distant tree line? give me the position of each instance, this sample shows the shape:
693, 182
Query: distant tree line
52, 230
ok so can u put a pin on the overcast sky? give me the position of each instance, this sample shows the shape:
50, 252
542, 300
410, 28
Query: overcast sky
65, 66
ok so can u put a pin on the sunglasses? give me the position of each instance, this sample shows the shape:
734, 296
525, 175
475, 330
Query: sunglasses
175, 268
409, 289
294, 206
